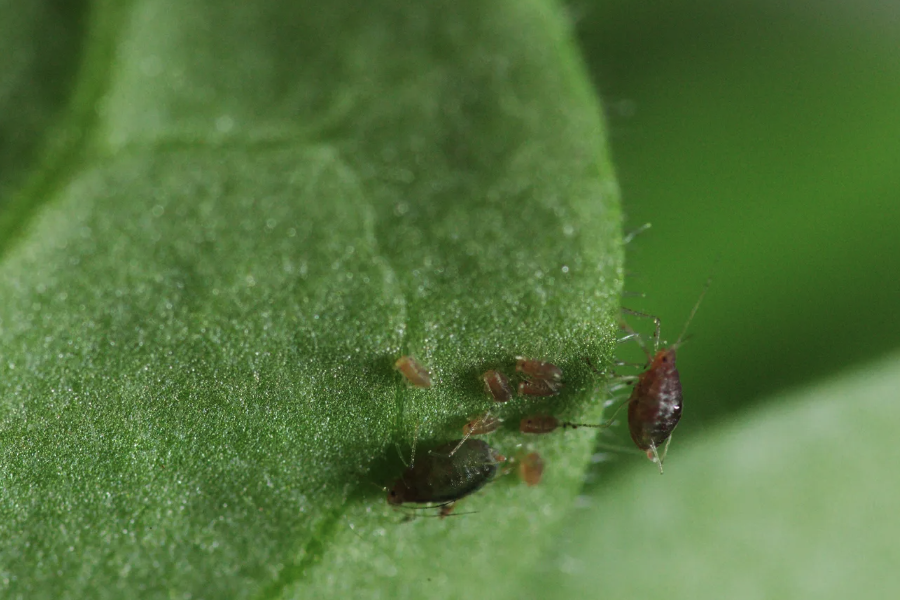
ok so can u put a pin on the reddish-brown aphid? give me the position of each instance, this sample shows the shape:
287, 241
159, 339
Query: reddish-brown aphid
497, 386
654, 407
531, 469
415, 373
546, 424
486, 423
538, 387
538, 369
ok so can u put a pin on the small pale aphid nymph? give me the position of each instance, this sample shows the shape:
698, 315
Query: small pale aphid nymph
415, 373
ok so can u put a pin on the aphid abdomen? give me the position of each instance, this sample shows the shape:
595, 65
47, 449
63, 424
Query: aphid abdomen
497, 386
538, 387
531, 469
539, 424
438, 477
654, 407
415, 373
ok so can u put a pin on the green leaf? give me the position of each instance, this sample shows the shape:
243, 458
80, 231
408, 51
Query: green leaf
203, 305
796, 500
39, 44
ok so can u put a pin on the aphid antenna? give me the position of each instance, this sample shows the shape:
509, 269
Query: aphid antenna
468, 434
400, 454
681, 339
380, 487
637, 337
636, 232
412, 458
630, 294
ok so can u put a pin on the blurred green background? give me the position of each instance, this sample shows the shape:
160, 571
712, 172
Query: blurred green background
762, 141
764, 135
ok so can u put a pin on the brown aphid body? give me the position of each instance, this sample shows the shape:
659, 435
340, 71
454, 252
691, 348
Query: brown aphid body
438, 478
497, 386
538, 387
539, 424
531, 469
415, 373
482, 425
538, 369
654, 406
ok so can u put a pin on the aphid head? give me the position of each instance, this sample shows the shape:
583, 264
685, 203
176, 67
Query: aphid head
664, 358
397, 494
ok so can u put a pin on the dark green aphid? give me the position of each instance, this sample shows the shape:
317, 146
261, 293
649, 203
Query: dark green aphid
439, 478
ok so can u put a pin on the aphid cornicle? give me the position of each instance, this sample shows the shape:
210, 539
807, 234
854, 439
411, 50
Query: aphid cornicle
441, 479
415, 373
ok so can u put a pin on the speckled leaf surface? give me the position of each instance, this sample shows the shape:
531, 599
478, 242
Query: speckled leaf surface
202, 304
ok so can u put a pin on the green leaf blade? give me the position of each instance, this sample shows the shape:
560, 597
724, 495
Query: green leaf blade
198, 344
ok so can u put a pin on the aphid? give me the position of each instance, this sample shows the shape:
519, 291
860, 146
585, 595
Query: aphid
545, 424
497, 386
654, 407
538, 369
441, 479
413, 371
531, 468
538, 387
486, 423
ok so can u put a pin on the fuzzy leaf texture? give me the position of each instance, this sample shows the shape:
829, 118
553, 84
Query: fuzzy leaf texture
261, 207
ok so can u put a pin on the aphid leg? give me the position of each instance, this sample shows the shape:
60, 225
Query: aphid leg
652, 455
400, 454
468, 434
635, 232
638, 338
665, 449
625, 338
412, 459
622, 363
446, 510
616, 412
621, 382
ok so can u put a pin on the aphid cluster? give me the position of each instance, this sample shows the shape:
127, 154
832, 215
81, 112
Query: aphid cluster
459, 468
